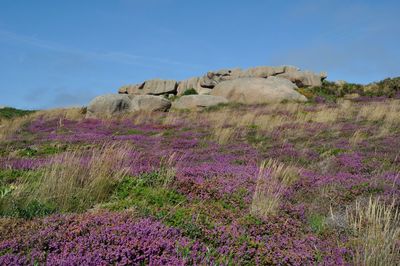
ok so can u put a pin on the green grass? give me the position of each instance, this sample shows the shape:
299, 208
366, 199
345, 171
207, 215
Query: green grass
46, 149
317, 223
146, 195
9, 113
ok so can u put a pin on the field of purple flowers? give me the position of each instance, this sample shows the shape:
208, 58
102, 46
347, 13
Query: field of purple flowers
284, 184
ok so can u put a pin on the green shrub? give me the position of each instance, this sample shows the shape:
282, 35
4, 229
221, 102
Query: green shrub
189, 92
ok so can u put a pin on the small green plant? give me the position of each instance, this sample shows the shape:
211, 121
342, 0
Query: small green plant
189, 92
34, 209
317, 223
27, 210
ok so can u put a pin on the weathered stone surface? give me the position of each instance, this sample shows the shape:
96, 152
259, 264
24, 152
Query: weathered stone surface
258, 90
262, 72
149, 103
204, 91
303, 78
198, 101
159, 87
192, 83
131, 89
108, 105
214, 77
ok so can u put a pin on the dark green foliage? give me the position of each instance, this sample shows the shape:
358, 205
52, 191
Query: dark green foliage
388, 87
328, 92
190, 92
9, 112
10, 176
32, 209
391, 83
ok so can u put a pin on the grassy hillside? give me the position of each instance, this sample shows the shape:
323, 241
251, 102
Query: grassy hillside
290, 183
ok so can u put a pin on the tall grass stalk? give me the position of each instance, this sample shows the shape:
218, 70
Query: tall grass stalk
272, 181
376, 233
76, 181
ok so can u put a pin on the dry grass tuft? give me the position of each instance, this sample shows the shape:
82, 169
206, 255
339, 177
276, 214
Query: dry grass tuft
76, 181
223, 135
167, 170
376, 229
10, 127
273, 179
357, 138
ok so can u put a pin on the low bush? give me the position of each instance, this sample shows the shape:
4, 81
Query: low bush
189, 92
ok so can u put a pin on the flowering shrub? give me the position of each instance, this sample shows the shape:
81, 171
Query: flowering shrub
101, 239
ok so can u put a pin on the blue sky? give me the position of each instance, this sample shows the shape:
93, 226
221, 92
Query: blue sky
57, 53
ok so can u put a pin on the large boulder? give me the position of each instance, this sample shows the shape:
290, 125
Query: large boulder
258, 90
198, 101
149, 103
108, 105
159, 87
212, 78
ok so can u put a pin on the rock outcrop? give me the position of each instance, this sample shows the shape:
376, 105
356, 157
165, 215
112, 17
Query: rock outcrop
197, 101
149, 103
258, 90
263, 84
204, 84
212, 78
151, 87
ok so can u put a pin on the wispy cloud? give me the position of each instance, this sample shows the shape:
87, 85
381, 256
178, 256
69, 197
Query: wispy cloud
112, 56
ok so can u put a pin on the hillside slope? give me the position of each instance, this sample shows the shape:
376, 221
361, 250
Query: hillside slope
288, 183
